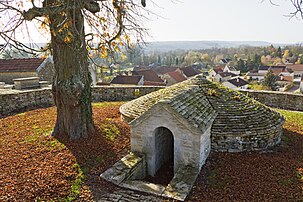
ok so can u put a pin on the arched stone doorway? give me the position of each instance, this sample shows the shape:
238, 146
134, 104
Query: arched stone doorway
164, 148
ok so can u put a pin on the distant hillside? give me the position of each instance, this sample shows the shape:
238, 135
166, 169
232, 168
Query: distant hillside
164, 46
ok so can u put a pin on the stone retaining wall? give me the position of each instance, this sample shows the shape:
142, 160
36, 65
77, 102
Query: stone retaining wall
12, 101
121, 93
15, 101
280, 100
251, 141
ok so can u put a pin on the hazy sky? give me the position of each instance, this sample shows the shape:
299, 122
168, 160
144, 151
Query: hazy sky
227, 20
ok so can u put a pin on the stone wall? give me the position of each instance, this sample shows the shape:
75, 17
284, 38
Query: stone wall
11, 101
280, 100
15, 101
121, 93
251, 141
8, 77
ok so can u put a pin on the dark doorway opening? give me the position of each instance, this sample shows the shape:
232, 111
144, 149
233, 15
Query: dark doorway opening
164, 157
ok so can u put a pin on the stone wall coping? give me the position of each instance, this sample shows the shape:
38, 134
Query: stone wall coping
270, 92
130, 86
26, 79
16, 92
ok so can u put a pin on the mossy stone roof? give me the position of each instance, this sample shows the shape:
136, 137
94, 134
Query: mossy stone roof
187, 100
198, 100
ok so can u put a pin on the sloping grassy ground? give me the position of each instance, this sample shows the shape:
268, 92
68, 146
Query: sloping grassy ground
35, 166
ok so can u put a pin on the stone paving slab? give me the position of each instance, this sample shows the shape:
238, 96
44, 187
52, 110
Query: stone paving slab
180, 186
123, 195
142, 186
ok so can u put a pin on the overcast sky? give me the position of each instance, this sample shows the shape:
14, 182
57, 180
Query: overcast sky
227, 20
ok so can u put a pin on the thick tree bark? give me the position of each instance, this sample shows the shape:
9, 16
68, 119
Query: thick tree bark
72, 81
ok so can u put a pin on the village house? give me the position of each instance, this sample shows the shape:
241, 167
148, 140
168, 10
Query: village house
236, 83
127, 80
260, 75
212, 73
223, 76
188, 71
231, 69
275, 69
173, 77
11, 69
297, 69
255, 76
150, 77
284, 80
160, 70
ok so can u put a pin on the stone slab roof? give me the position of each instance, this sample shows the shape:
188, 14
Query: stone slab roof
186, 100
197, 98
20, 64
237, 113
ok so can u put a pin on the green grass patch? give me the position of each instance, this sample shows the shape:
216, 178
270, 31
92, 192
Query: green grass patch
107, 104
293, 117
55, 144
110, 131
37, 132
21, 114
76, 184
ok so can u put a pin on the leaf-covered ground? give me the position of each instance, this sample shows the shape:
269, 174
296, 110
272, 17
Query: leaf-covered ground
35, 166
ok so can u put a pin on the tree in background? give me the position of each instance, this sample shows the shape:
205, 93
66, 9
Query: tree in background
241, 65
270, 80
110, 25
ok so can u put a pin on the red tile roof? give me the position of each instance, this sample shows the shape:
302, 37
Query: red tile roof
218, 69
285, 78
189, 71
131, 80
20, 64
277, 69
177, 76
164, 69
149, 75
295, 67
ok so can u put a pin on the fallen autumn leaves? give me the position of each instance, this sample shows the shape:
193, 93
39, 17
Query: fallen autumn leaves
36, 166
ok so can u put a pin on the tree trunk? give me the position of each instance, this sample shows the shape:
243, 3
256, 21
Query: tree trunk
72, 81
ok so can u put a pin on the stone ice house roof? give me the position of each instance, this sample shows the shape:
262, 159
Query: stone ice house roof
241, 123
186, 100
